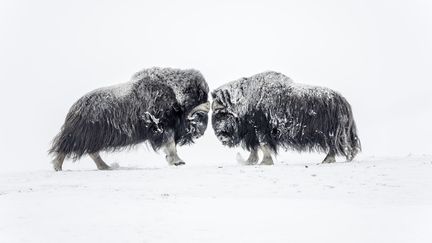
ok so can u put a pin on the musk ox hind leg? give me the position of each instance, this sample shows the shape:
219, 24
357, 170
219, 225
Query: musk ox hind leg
330, 158
251, 160
101, 165
267, 155
170, 151
58, 161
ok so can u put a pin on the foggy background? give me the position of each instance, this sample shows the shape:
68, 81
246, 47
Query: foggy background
376, 53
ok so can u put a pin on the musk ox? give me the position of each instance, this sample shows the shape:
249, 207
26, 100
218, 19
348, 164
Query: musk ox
268, 111
163, 106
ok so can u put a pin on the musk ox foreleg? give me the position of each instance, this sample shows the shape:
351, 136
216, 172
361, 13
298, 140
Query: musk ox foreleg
101, 165
170, 151
267, 155
58, 161
253, 157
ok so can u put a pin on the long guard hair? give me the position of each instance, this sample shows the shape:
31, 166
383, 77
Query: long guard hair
269, 108
154, 103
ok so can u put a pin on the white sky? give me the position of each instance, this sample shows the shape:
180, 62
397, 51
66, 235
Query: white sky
378, 54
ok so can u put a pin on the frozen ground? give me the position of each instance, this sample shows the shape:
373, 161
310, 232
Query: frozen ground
369, 200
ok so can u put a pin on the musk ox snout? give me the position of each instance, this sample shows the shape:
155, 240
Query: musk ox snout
226, 127
197, 120
197, 125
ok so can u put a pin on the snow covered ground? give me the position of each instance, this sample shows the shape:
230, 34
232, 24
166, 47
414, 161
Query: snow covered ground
377, 54
368, 200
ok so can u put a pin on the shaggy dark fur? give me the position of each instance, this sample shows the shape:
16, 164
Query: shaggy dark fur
149, 108
270, 109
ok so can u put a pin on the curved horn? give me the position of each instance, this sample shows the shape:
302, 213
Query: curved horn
216, 105
204, 107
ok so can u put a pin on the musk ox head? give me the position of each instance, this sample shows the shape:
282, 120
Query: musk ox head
197, 119
226, 124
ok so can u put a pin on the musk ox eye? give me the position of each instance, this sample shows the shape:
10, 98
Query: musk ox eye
225, 133
197, 115
224, 115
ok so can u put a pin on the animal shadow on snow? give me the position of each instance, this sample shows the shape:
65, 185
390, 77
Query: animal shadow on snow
114, 167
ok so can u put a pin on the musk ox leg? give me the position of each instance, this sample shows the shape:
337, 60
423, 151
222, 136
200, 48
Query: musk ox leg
101, 165
253, 157
330, 158
58, 161
171, 152
267, 158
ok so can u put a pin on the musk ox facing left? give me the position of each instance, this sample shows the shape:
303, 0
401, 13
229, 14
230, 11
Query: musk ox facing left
163, 106
268, 111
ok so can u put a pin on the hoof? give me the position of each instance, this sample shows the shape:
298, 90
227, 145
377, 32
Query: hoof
267, 162
178, 163
105, 167
329, 161
58, 162
251, 161
56, 168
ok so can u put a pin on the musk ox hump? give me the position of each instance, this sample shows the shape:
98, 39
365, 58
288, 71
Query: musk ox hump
189, 85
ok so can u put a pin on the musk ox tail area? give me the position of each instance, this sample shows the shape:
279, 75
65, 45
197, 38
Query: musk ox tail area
70, 144
78, 138
347, 142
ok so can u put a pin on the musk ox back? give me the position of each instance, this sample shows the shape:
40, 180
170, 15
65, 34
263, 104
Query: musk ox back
268, 111
162, 106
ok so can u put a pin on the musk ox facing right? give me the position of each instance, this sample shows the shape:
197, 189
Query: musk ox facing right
269, 111
162, 106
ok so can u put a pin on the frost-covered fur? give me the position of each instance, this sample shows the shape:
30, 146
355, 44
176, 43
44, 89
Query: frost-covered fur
270, 110
154, 106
